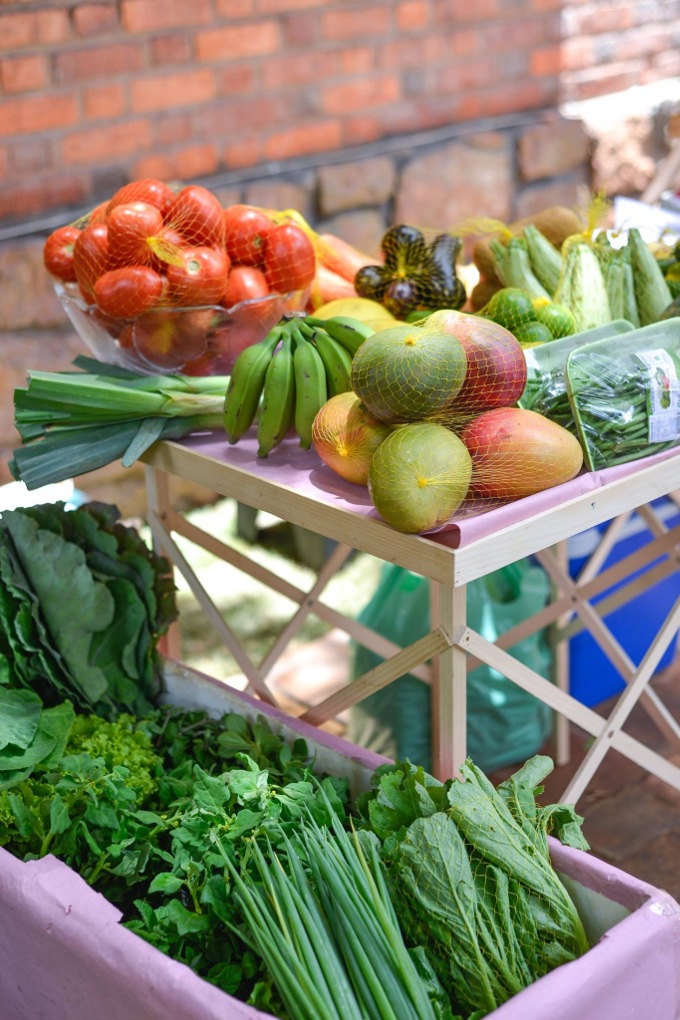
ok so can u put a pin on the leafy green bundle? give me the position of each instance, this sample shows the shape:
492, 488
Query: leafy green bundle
328, 931
83, 603
138, 806
470, 875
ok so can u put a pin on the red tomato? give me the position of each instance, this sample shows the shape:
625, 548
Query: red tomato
246, 229
201, 277
58, 253
148, 190
243, 284
128, 291
290, 260
130, 227
91, 257
197, 214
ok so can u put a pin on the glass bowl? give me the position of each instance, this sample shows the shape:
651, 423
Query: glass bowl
192, 341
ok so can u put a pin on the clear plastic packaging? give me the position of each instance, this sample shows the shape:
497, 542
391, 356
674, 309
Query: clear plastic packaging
625, 394
546, 387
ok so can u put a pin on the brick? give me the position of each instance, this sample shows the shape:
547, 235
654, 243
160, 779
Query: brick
321, 136
152, 16
94, 19
173, 128
170, 49
33, 28
462, 77
99, 62
546, 61
234, 8
480, 11
413, 16
183, 164
645, 41
229, 118
553, 149
239, 78
4, 160
300, 30
282, 71
37, 195
345, 186
598, 18
238, 41
38, 113
110, 143
528, 95
32, 155
361, 128
284, 6
371, 22
409, 52
353, 60
243, 152
104, 102
577, 53
24, 74
522, 34
352, 95
186, 88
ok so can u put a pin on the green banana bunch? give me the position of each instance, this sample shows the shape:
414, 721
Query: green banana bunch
336, 359
245, 386
289, 375
349, 332
278, 399
311, 389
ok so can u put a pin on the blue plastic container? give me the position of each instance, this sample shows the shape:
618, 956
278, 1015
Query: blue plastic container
592, 678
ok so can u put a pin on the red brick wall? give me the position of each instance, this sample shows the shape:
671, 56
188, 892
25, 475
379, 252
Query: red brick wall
612, 45
92, 94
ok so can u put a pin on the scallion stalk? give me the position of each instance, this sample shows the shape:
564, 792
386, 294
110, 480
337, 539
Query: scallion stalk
74, 422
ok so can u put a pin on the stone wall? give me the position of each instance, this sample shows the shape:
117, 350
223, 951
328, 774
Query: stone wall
502, 172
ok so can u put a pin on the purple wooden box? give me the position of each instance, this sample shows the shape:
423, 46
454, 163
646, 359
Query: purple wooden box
64, 956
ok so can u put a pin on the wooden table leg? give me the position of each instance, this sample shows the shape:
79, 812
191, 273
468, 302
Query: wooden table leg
449, 683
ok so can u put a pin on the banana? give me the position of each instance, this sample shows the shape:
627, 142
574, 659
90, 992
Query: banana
349, 332
245, 386
337, 361
311, 391
278, 399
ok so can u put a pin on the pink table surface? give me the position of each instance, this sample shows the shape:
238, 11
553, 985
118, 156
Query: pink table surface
304, 472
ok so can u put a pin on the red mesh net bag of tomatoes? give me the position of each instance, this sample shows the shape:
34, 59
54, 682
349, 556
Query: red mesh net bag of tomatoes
177, 280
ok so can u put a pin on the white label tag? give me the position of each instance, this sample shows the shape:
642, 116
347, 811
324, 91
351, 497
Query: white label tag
663, 396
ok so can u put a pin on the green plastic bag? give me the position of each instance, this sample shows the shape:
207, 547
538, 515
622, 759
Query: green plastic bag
505, 724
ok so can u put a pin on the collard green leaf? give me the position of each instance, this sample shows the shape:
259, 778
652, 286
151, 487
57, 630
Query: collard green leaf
19, 718
73, 605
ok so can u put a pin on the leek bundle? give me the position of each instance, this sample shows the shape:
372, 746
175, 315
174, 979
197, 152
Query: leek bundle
74, 422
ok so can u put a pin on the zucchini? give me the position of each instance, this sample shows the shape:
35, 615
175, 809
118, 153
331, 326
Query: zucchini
652, 293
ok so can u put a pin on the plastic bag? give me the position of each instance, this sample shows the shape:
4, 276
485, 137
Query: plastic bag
546, 388
625, 394
505, 724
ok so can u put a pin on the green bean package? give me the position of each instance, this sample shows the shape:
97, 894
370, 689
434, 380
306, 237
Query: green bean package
546, 387
625, 394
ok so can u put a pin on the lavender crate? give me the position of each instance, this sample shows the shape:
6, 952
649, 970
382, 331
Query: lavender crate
64, 955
